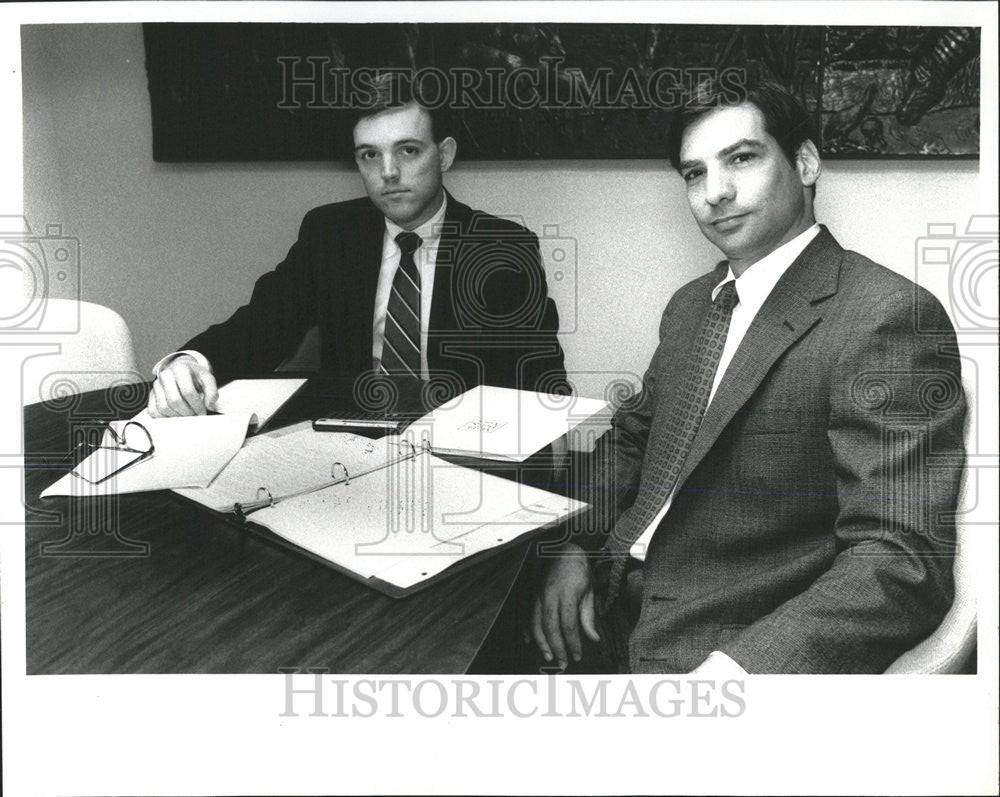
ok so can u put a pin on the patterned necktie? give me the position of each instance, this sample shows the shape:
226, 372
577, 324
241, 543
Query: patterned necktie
401, 344
671, 448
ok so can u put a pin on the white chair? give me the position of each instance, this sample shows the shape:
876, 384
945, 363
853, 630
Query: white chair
82, 346
951, 647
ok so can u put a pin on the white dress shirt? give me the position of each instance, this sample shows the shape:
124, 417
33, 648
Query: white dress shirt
424, 257
753, 287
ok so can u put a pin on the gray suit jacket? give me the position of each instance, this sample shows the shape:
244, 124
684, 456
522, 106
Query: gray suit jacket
811, 529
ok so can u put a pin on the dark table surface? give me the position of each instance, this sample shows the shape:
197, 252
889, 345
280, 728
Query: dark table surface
150, 583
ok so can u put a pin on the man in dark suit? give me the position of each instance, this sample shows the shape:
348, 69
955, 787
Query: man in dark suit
406, 281
778, 495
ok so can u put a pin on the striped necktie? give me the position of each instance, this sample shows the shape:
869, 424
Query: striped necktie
666, 459
401, 345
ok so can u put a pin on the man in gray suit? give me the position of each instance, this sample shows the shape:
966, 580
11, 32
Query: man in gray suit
776, 499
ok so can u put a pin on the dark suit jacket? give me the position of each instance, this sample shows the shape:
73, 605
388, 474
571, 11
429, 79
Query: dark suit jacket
491, 320
810, 532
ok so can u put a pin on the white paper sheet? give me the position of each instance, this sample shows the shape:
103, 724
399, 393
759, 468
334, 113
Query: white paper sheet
503, 424
260, 397
288, 460
188, 452
409, 522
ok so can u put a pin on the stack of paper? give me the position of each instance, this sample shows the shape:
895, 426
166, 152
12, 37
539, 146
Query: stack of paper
503, 424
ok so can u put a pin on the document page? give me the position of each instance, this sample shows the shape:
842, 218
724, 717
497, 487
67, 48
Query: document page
292, 459
503, 424
260, 397
409, 522
187, 451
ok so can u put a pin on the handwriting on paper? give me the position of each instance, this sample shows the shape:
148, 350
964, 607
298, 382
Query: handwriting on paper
482, 425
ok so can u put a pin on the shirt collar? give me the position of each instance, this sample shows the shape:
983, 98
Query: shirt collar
430, 229
755, 284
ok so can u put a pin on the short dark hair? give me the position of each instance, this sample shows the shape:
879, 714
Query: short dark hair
396, 89
785, 117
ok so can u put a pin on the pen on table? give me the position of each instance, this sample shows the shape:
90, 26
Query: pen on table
365, 423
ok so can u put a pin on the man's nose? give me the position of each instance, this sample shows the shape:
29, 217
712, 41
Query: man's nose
390, 169
718, 186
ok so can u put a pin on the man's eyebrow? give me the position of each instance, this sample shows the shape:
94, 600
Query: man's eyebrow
751, 143
399, 143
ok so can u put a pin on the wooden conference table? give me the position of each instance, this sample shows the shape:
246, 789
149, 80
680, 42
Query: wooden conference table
150, 583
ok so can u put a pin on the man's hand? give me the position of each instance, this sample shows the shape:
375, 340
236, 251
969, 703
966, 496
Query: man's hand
564, 604
184, 387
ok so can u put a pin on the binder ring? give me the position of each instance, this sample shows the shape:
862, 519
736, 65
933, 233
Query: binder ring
333, 472
270, 498
413, 451
425, 444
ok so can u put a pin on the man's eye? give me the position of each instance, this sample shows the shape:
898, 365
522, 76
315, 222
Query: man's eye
367, 155
410, 150
743, 157
692, 175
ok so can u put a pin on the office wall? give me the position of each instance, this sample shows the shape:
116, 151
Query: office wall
175, 247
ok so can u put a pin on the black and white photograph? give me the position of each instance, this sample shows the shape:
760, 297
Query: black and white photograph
465, 397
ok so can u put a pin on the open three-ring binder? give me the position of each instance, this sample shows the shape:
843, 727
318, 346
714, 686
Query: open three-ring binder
387, 512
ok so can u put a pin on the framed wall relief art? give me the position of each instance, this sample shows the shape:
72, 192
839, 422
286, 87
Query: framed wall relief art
282, 92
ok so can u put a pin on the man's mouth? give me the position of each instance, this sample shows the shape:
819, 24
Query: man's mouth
729, 222
395, 191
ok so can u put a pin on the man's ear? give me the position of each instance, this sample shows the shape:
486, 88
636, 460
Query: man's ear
808, 163
447, 149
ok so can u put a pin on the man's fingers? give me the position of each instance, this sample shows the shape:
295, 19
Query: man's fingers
184, 387
559, 609
163, 409
209, 389
569, 608
172, 394
538, 634
551, 626
588, 618
151, 407
177, 393
188, 390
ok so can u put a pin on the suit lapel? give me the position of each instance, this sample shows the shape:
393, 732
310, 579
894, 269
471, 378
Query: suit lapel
787, 314
456, 219
359, 269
